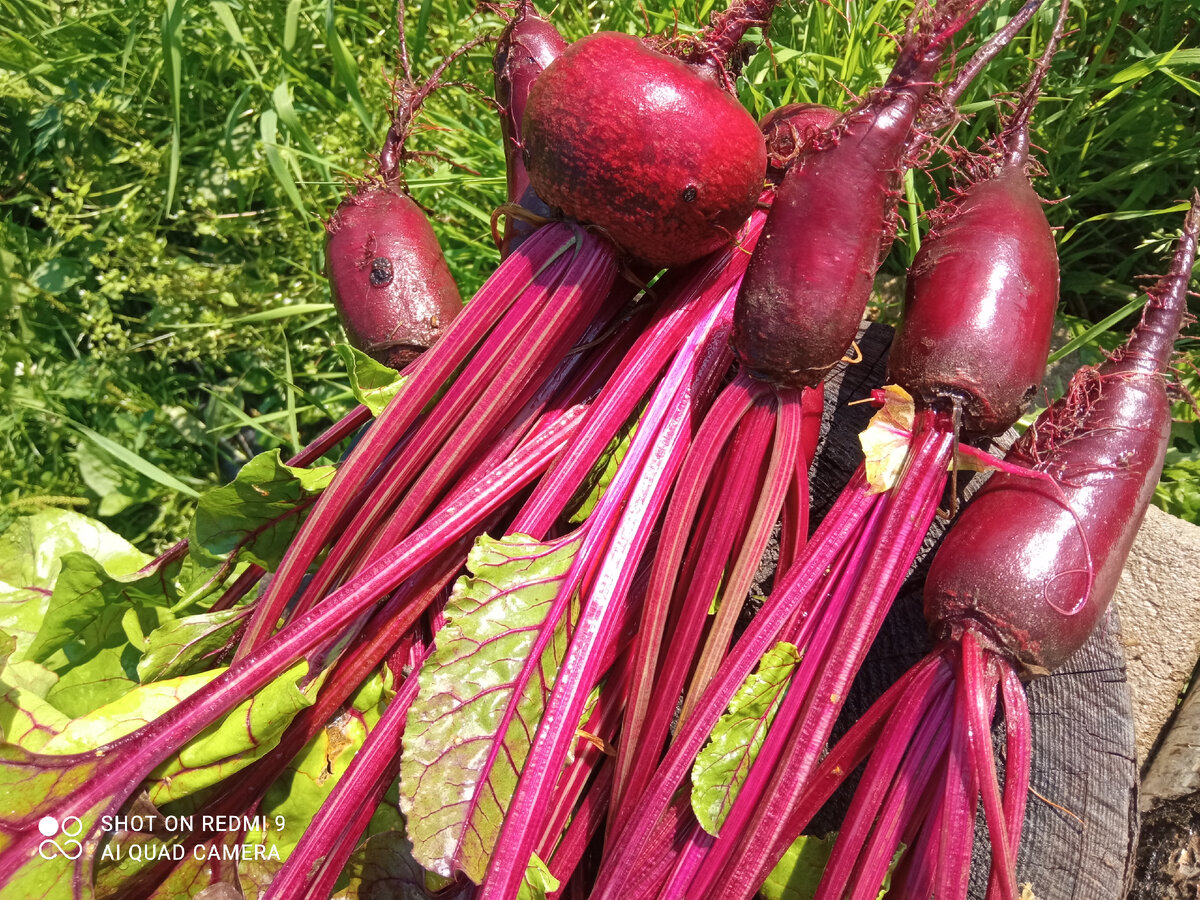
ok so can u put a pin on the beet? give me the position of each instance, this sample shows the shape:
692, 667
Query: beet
983, 288
661, 158
393, 291
1046, 576
996, 248
811, 277
527, 45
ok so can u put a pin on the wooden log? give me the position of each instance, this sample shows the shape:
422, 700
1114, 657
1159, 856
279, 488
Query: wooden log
1081, 824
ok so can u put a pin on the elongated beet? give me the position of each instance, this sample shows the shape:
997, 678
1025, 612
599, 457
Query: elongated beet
1029, 585
661, 158
526, 46
990, 244
995, 247
811, 276
393, 291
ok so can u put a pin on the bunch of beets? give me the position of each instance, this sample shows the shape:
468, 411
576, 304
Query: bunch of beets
543, 541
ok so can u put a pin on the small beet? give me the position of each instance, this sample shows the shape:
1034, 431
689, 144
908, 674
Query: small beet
393, 291
661, 158
527, 46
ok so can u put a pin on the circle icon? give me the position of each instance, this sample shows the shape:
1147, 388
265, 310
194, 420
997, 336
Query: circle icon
48, 826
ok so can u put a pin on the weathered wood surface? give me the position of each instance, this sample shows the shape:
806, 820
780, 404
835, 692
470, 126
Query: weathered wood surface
1078, 840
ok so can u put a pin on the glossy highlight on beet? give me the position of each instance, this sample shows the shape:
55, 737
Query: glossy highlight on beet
662, 159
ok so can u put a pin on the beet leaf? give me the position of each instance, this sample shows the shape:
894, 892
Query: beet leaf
468, 735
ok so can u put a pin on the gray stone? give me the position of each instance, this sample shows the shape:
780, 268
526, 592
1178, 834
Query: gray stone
1159, 602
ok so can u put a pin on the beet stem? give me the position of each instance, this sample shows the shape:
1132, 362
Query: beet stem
1149, 349
1015, 136
979, 684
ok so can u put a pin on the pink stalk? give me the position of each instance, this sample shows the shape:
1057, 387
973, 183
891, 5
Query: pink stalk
781, 464
547, 251
585, 825
638, 754
979, 688
689, 861
687, 299
631, 504
883, 794
844, 519
604, 724
910, 509
958, 809
743, 493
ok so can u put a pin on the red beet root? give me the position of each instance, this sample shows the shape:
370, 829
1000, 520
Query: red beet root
662, 159
392, 289
995, 247
981, 293
527, 46
811, 275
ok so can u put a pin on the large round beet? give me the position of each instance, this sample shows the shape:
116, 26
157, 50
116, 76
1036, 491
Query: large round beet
391, 286
625, 138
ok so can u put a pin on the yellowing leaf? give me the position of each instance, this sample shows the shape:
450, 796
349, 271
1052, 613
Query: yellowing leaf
886, 439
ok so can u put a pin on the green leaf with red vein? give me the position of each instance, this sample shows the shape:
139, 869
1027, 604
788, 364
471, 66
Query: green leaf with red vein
248, 732
469, 731
722, 766
26, 719
259, 512
188, 645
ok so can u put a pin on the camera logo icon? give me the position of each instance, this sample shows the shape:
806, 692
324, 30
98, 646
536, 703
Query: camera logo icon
69, 828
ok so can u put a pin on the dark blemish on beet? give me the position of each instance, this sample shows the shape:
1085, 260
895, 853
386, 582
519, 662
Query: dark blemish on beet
381, 271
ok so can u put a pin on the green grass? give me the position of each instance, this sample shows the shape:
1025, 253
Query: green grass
167, 166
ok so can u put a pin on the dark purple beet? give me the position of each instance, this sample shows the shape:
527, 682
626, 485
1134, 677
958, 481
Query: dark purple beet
392, 289
982, 291
637, 143
526, 46
809, 282
791, 129
1015, 565
979, 305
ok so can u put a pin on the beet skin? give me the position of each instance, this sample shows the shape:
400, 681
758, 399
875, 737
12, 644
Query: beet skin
808, 284
625, 138
389, 279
